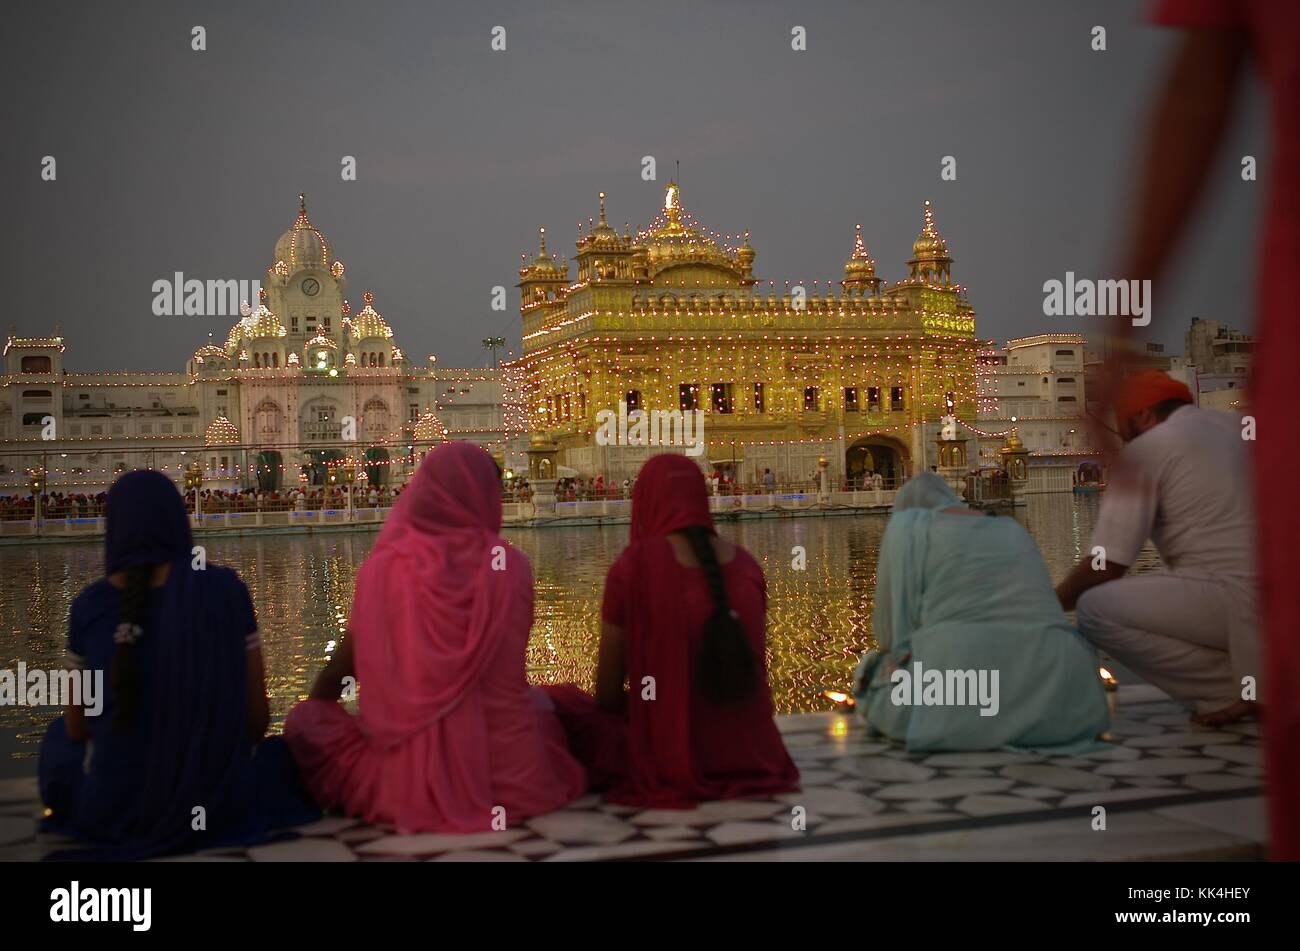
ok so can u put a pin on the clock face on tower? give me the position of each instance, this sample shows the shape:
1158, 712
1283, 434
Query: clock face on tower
311, 287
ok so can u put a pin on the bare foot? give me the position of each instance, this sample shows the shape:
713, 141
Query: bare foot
1233, 713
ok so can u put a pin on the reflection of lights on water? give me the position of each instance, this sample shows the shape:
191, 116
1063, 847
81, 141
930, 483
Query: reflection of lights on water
840, 727
1107, 678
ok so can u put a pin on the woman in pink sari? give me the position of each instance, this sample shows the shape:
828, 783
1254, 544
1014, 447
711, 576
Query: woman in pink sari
684, 625
448, 728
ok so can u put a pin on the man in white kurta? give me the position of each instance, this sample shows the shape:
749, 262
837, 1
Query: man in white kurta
1189, 627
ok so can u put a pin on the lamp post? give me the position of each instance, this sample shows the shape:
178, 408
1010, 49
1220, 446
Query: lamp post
494, 344
194, 482
36, 482
349, 473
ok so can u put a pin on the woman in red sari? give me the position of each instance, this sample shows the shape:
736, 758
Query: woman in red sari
683, 625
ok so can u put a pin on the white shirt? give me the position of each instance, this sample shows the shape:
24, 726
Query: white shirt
1185, 484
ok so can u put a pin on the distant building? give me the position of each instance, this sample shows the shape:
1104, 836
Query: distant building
1217, 350
1220, 358
1036, 384
301, 384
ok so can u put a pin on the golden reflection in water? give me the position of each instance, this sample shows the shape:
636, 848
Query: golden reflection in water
819, 618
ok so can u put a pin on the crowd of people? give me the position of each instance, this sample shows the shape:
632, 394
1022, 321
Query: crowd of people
64, 505
449, 736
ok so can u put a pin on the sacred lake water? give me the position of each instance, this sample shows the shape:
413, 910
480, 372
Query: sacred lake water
819, 618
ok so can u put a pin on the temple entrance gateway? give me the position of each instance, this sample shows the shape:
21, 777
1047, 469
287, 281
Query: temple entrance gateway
882, 454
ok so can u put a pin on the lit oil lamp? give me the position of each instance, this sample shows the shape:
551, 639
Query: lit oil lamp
844, 703
1110, 680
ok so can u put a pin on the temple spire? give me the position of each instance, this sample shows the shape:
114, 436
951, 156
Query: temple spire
602, 208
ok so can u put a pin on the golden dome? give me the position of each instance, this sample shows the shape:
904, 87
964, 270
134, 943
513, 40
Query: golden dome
929, 244
368, 322
671, 240
860, 265
543, 266
1013, 441
221, 432
603, 237
744, 253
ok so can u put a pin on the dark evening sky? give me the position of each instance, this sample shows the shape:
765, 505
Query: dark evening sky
174, 160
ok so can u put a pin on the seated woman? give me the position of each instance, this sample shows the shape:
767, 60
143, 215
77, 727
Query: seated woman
448, 729
683, 623
171, 759
959, 592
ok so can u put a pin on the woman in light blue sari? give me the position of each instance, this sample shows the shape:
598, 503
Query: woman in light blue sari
974, 651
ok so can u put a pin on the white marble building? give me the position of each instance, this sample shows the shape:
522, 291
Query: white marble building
302, 382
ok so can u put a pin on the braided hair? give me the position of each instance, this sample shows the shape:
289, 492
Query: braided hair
125, 671
726, 670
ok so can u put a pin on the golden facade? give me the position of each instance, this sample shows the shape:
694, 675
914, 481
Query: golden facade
673, 318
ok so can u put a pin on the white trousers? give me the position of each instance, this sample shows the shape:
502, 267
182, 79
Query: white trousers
1194, 639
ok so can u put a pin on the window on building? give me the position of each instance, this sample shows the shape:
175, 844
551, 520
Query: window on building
895, 398
1065, 379
145, 428
688, 395
760, 403
850, 399
325, 322
720, 397
35, 419
293, 325
413, 411
36, 364
633, 399
811, 398
1065, 354
873, 399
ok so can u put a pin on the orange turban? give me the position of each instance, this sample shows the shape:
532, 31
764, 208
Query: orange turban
1145, 389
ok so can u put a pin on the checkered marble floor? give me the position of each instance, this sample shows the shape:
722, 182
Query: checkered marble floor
1171, 790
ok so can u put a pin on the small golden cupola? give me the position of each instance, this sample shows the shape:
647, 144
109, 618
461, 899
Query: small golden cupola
541, 279
930, 262
860, 270
604, 255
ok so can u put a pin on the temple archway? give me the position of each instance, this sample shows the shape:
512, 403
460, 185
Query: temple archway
377, 464
882, 454
269, 464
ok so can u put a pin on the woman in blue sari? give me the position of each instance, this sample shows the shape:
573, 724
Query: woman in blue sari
173, 759
973, 649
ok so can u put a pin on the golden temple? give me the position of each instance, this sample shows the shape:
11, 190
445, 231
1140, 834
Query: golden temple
673, 318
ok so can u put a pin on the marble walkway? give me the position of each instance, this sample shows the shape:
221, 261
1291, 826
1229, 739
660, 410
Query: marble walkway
1170, 790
